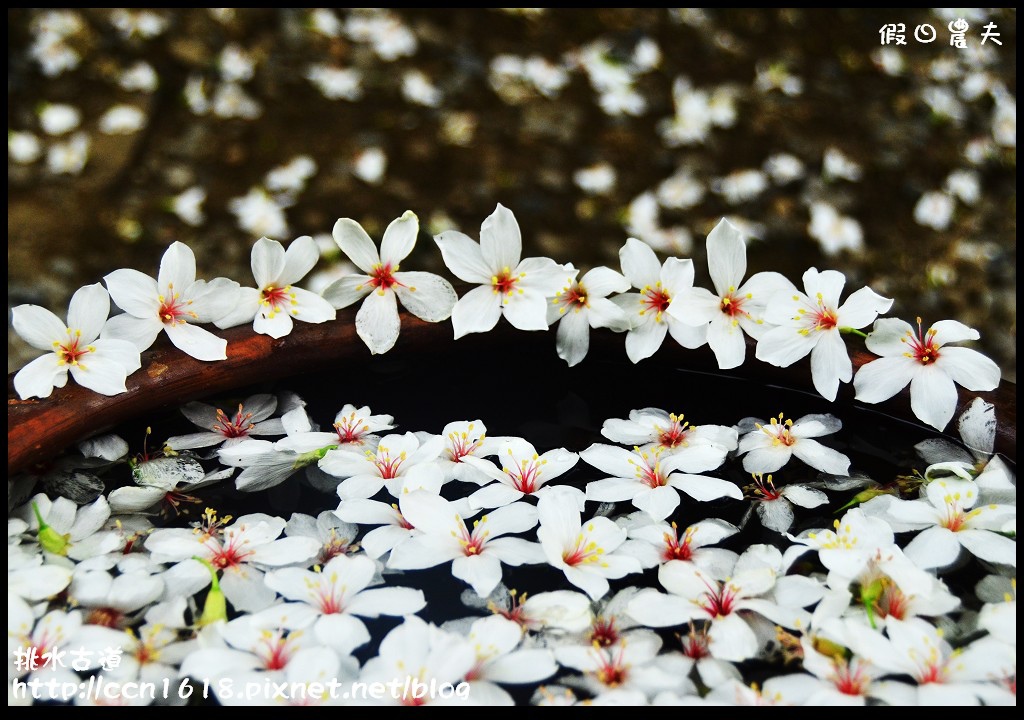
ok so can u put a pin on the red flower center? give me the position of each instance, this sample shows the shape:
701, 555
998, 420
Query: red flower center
923, 347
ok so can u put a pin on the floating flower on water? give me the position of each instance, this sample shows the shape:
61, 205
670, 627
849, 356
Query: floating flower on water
68, 531
774, 506
586, 553
401, 463
656, 543
239, 549
426, 295
476, 552
102, 365
650, 481
771, 445
253, 417
501, 659
950, 521
927, 363
755, 583
941, 675
523, 472
424, 653
338, 594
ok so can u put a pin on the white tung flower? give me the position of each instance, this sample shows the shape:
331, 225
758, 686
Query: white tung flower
171, 303
426, 295
770, 446
100, 365
509, 285
926, 362
584, 552
276, 302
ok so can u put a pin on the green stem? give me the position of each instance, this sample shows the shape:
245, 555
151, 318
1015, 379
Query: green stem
852, 331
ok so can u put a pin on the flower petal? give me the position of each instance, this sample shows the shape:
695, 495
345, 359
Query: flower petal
639, 264
427, 296
463, 257
476, 311
133, 292
501, 242
300, 257
39, 377
526, 310
881, 379
356, 244
645, 340
140, 332
861, 308
933, 396
377, 321
267, 261
969, 368
101, 375
830, 364
727, 256
88, 311
399, 239
197, 342
177, 268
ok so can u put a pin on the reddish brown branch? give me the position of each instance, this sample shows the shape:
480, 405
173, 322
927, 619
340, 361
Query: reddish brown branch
38, 428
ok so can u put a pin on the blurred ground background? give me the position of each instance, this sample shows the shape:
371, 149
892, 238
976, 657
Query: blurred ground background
896, 164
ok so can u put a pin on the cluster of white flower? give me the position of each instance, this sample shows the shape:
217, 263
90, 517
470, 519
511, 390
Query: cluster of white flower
651, 300
869, 618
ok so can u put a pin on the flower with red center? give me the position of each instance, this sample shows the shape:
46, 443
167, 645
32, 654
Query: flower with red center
508, 285
586, 553
736, 307
774, 505
426, 295
928, 363
812, 324
241, 549
252, 418
400, 462
477, 552
650, 478
523, 472
102, 365
648, 310
632, 665
659, 542
340, 593
943, 675
767, 447
652, 428
755, 583
603, 632
582, 305
174, 303
500, 658
274, 305
951, 522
